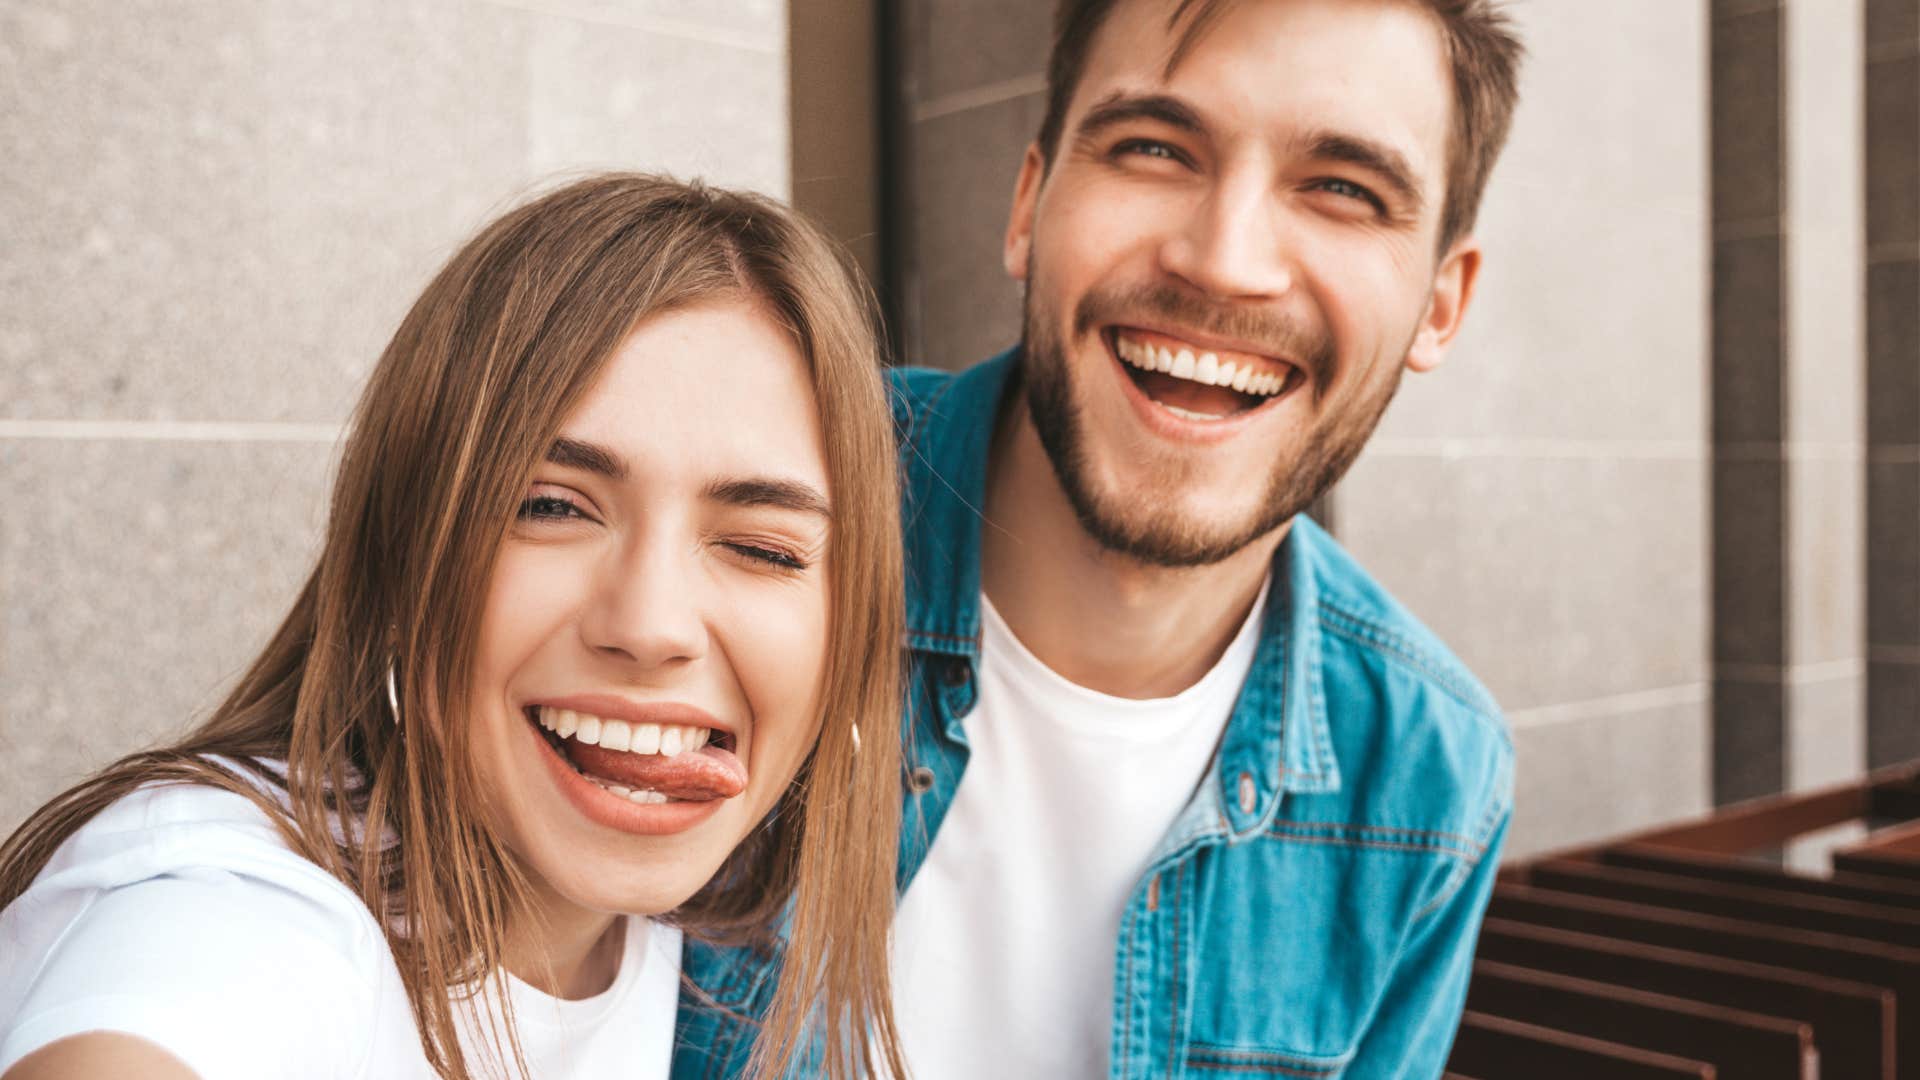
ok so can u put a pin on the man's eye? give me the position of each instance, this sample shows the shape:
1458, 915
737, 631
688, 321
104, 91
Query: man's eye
548, 508
1349, 189
1147, 148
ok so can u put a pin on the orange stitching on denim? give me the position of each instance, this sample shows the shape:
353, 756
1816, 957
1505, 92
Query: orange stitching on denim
1173, 1013
1265, 1062
1126, 997
1386, 830
1414, 658
1250, 1067
1275, 1057
1381, 845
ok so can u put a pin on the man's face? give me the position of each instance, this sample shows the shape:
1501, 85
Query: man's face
1229, 263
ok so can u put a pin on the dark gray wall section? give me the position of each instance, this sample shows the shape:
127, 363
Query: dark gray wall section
1750, 566
1893, 403
967, 101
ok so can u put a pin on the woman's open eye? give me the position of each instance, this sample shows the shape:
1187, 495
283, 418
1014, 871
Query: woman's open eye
546, 506
771, 555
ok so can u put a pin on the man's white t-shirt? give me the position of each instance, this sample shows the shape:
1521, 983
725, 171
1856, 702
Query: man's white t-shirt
1003, 956
180, 916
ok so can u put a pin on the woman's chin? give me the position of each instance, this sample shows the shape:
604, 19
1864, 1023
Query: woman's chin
630, 884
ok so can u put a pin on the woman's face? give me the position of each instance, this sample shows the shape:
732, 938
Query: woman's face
650, 657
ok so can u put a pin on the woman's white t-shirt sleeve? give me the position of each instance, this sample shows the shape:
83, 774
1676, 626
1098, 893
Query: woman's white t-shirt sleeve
213, 967
179, 915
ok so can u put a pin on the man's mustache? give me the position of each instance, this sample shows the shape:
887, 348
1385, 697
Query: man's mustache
1267, 332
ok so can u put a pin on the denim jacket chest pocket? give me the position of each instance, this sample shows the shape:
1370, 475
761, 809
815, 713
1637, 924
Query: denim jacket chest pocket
1246, 979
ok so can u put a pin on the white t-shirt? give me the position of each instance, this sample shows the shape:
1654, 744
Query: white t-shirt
1003, 955
180, 916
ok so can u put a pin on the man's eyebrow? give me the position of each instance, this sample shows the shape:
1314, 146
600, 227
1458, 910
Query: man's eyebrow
770, 491
1376, 157
1121, 108
588, 457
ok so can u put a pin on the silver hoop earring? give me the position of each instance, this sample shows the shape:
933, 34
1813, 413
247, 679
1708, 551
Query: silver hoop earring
393, 695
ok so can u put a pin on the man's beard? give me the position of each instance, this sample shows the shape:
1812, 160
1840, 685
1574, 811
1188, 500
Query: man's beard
1137, 523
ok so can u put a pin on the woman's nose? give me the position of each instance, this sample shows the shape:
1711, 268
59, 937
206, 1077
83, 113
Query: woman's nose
645, 607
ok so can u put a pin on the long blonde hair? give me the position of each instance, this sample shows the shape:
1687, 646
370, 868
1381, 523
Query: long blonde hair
465, 400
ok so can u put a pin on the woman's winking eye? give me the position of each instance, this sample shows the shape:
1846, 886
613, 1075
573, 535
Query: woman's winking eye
772, 555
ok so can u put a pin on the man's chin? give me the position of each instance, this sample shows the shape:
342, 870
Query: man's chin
1150, 532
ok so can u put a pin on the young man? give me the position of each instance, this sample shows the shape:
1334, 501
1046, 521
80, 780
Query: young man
1188, 793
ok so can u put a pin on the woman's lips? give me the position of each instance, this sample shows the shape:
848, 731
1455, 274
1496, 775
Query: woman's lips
652, 814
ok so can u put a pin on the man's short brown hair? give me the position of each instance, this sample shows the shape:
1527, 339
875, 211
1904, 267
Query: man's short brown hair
1482, 51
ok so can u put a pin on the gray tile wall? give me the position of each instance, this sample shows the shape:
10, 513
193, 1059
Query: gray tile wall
1825, 386
1788, 395
211, 217
1560, 538
1893, 378
1752, 560
966, 112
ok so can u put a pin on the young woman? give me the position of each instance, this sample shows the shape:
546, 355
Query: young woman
601, 648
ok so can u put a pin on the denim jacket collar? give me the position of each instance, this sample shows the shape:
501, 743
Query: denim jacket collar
1277, 740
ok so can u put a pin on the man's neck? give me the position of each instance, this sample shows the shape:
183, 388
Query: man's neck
1104, 621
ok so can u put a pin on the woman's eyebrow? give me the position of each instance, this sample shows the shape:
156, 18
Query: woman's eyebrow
770, 491
588, 457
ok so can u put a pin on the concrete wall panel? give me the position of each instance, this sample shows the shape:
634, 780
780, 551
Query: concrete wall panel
137, 587
212, 218
1556, 580
1586, 775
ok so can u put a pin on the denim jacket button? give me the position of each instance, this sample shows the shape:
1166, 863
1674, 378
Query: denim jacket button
1246, 793
920, 780
956, 671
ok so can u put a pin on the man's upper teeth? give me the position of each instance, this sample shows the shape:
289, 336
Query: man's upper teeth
1206, 368
665, 739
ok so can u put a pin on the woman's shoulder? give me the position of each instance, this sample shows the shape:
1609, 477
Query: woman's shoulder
189, 829
179, 913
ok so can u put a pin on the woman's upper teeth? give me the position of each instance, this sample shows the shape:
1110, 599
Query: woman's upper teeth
664, 739
1205, 368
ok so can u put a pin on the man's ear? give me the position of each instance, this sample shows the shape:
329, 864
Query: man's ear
1447, 307
1026, 193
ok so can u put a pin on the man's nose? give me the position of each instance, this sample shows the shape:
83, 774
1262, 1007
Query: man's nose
1229, 246
645, 605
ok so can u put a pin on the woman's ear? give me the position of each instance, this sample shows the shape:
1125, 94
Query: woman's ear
1446, 306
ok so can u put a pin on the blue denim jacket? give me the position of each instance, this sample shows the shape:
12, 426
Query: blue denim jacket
1312, 912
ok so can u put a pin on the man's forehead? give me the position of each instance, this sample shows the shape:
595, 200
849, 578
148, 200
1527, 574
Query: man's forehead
1374, 67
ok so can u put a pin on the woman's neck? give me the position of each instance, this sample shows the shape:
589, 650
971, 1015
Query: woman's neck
565, 950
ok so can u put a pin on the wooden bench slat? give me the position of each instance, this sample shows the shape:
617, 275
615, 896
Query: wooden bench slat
1737, 1042
1499, 1049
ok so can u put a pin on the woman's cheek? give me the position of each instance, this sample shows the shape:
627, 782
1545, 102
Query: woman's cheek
782, 661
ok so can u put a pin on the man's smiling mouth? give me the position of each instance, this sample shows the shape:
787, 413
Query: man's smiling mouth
1196, 383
